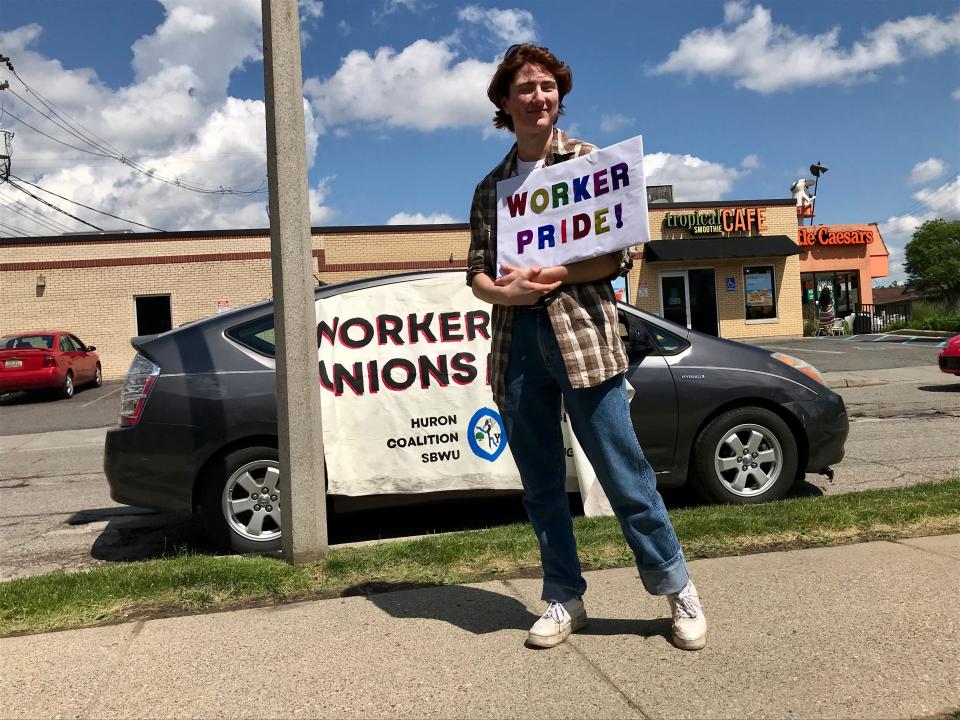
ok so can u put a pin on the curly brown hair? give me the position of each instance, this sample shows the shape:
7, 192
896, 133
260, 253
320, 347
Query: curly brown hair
515, 58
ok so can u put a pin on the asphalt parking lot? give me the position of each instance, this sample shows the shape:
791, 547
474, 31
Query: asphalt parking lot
857, 352
91, 407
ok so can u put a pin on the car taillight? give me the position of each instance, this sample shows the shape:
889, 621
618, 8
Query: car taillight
48, 361
136, 388
801, 365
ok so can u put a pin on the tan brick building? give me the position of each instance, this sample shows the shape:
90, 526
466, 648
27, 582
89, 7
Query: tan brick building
107, 288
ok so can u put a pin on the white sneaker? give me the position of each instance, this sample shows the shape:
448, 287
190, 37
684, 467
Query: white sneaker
556, 624
689, 622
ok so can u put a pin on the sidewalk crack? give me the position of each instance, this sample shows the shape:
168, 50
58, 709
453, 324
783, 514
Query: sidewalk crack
923, 549
590, 663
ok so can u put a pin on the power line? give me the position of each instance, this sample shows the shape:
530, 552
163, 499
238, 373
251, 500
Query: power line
46, 226
102, 212
15, 229
21, 209
60, 210
105, 149
75, 147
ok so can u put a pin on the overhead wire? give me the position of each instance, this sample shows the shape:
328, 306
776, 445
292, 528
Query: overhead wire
12, 184
102, 147
14, 228
44, 225
22, 209
102, 212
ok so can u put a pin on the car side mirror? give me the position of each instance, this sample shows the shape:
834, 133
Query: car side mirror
90, 348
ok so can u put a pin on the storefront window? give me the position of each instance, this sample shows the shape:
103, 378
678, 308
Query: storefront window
841, 290
760, 297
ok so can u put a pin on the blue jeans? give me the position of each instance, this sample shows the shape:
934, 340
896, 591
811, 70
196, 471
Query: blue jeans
535, 383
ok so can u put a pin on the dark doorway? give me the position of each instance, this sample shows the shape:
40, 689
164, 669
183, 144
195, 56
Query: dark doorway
153, 314
703, 301
673, 298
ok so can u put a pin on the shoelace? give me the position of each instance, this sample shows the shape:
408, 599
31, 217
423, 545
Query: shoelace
556, 612
687, 605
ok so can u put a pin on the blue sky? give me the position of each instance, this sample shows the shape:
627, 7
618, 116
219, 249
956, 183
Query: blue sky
734, 100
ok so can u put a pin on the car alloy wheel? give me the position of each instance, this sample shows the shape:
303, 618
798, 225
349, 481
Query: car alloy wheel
745, 455
68, 389
98, 376
250, 501
748, 460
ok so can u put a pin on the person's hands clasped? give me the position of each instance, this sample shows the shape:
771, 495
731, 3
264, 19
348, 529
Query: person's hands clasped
523, 286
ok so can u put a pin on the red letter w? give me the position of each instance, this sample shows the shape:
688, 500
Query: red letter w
517, 203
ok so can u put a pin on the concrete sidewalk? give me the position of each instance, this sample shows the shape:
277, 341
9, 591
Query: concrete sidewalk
864, 378
862, 631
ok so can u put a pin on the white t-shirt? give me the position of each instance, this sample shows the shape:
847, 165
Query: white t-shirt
525, 167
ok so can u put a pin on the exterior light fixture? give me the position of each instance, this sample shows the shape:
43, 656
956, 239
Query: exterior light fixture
41, 281
817, 169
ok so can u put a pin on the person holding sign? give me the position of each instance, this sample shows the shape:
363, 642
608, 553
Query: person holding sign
555, 340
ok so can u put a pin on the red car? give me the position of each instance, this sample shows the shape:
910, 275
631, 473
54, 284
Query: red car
47, 359
950, 356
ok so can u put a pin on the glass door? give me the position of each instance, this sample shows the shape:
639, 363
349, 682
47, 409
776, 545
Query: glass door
674, 299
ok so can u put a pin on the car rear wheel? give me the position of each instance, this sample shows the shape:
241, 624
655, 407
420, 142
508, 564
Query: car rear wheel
240, 500
67, 389
98, 376
746, 455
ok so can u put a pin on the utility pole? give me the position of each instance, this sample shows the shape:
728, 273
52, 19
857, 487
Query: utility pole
303, 512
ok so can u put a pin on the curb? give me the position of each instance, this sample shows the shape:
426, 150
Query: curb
853, 382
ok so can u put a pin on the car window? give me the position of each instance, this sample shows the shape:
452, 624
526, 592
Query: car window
76, 341
65, 344
667, 342
26, 342
258, 335
634, 335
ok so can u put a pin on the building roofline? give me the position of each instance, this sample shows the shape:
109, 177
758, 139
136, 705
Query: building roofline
135, 237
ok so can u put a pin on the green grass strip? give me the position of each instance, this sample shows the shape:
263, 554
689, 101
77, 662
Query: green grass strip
191, 583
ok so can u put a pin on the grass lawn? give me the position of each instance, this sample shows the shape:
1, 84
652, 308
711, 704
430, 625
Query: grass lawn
191, 583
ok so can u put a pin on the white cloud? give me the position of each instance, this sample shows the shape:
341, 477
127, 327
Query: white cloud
175, 118
344, 27
956, 94
312, 9
692, 178
403, 218
734, 12
390, 7
942, 202
766, 57
510, 26
924, 172
422, 87
614, 122
750, 162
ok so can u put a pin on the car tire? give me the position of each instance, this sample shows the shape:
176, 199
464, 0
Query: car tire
239, 500
98, 376
745, 456
68, 389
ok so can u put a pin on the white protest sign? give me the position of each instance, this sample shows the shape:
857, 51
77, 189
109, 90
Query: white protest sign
406, 404
574, 210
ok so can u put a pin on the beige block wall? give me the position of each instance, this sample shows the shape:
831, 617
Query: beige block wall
780, 220
97, 304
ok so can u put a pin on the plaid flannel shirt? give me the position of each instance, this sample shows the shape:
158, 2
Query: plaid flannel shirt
584, 316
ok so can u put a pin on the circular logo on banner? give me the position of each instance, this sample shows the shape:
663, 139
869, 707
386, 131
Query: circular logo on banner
486, 434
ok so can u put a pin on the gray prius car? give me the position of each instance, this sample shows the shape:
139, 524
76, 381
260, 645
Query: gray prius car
198, 418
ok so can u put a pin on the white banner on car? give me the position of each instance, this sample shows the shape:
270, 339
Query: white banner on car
575, 210
406, 403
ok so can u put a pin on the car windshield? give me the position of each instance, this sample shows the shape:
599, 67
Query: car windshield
26, 342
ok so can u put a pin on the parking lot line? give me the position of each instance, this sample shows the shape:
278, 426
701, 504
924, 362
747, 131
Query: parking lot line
101, 397
797, 349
